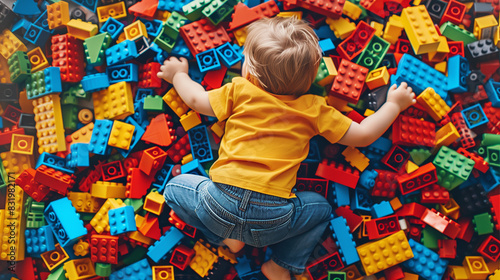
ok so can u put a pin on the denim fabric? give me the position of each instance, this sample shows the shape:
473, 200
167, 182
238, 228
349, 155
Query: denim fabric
290, 227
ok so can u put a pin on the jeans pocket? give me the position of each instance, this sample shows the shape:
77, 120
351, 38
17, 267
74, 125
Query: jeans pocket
270, 235
215, 217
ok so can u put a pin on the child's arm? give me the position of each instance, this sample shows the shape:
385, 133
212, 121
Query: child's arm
175, 71
371, 128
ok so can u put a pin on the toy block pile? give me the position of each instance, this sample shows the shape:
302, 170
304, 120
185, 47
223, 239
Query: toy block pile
89, 137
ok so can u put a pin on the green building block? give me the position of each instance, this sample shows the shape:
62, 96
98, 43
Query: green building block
374, 53
95, 48
70, 116
490, 139
317, 90
165, 42
361, 105
193, 10
173, 24
452, 168
483, 224
103, 269
136, 203
482, 152
19, 67
34, 213
68, 96
136, 255
154, 103
35, 85
419, 155
86, 217
336, 275
430, 237
218, 10
229, 77
493, 153
455, 33
58, 274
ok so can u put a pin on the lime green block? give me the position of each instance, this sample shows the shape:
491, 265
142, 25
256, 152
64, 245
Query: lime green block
103, 269
86, 217
420, 155
493, 155
154, 103
136, 255
193, 10
136, 203
455, 33
173, 24
95, 48
430, 237
19, 67
218, 10
483, 224
34, 213
336, 275
70, 116
58, 274
164, 42
452, 168
490, 139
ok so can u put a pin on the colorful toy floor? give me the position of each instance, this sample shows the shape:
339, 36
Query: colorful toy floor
89, 136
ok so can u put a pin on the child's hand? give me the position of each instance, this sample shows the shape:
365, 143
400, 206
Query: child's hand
172, 66
403, 96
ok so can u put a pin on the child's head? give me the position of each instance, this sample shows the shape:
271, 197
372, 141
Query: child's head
282, 55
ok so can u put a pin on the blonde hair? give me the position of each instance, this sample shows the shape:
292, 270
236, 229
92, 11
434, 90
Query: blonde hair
282, 54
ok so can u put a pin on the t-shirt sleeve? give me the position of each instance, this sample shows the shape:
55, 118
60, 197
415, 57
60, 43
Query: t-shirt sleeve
221, 100
332, 124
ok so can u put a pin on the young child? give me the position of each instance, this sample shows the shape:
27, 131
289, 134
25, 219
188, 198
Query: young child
249, 198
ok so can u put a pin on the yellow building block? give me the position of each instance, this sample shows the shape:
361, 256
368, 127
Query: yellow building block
154, 203
81, 29
4, 71
100, 222
58, 14
85, 202
14, 164
368, 112
442, 67
49, 124
115, 11
101, 189
175, 102
204, 259
83, 134
328, 71
22, 144
164, 272
115, 102
433, 104
410, 167
218, 128
420, 29
190, 120
121, 135
55, 258
81, 248
446, 136
379, 28
442, 51
485, 27
79, 269
450, 209
377, 78
187, 158
475, 267
26, 105
121, 38
338, 103
13, 243
135, 30
162, 15
341, 27
297, 14
393, 29
395, 203
37, 58
240, 35
351, 10
457, 272
9, 44
363, 233
370, 253
223, 252
356, 158
496, 38
495, 276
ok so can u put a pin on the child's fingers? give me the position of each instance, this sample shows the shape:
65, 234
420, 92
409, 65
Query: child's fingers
409, 89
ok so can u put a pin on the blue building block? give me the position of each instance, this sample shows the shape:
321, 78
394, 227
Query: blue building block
228, 55
21, 25
142, 93
326, 45
167, 242
381, 209
314, 155
340, 194
493, 90
208, 60
162, 177
140, 115
420, 76
79, 156
243, 267
343, 240
489, 180
123, 73
89, 4
458, 69
425, 262
474, 116
53, 161
172, 5
140, 270
122, 220
95, 82
121, 52
252, 3
52, 80
42, 21
153, 27
367, 178
377, 149
324, 32
200, 144
195, 74
36, 35
26, 8
113, 27
39, 240
100, 136
180, 49
362, 200
136, 136
193, 167
64, 221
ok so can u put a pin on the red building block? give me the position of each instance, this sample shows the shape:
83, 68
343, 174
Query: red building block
490, 248
181, 225
466, 229
148, 77
422, 177
26, 181
386, 184
394, 272
55, 180
329, 8
378, 228
404, 46
144, 9
92, 177
411, 210
319, 186
353, 220
319, 269
415, 232
355, 116
456, 48
495, 210
338, 172
150, 227
348, 84
179, 149
152, 160
242, 16
113, 170
213, 79
480, 163
447, 248
471, 97
454, 12
12, 114
466, 139
104, 248
396, 158
267, 9
493, 115
356, 42
441, 223
374, 6
202, 35
434, 194
415, 111
6, 134
67, 54
138, 183
160, 131
182, 256
413, 132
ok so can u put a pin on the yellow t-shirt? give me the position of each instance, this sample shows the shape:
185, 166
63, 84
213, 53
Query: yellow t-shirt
267, 135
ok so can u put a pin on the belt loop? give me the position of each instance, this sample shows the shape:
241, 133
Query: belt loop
244, 200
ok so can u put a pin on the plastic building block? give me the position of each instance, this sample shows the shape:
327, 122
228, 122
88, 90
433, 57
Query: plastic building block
349, 82
316, 185
148, 77
34, 189
482, 50
154, 203
158, 132
57, 14
140, 270
356, 158
441, 223
113, 27
113, 170
175, 102
104, 248
433, 104
485, 26
425, 263
95, 48
454, 12
381, 227
320, 268
64, 221
338, 173
19, 67
182, 256
115, 102
165, 272
489, 248
201, 35
49, 123
475, 267
39, 240
84, 202
121, 135
208, 60
385, 184
152, 160
22, 144
434, 194
121, 52
424, 176
135, 30
373, 54
166, 243
105, 190
483, 224
67, 54
344, 240
381, 209
79, 156
100, 222
138, 183
100, 137
228, 55
218, 10
396, 158
455, 33
354, 44
79, 269
116, 11
200, 144
410, 131
55, 258
123, 73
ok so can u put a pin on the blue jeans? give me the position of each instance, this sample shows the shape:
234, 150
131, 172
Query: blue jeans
290, 227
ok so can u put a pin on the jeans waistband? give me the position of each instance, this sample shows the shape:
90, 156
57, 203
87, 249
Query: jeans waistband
255, 197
